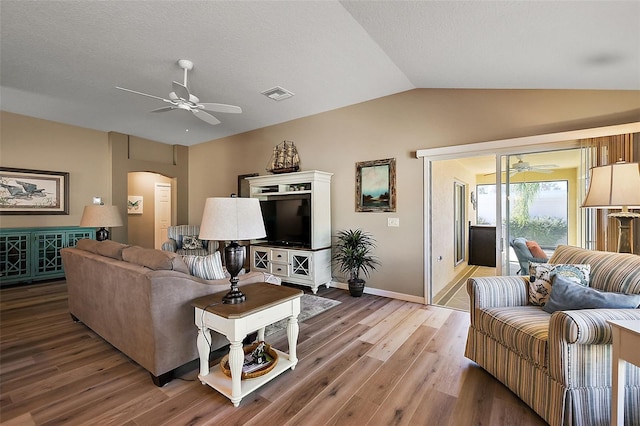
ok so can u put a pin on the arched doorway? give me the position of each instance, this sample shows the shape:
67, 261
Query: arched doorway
142, 207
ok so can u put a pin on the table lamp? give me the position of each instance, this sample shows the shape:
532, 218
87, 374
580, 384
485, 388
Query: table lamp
102, 217
232, 219
616, 186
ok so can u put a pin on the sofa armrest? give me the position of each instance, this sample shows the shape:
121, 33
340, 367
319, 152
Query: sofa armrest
587, 326
579, 339
497, 292
170, 245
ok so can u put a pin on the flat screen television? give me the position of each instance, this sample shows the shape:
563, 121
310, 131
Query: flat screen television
287, 220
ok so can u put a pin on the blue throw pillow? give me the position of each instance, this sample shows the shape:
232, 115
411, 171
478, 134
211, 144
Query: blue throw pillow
566, 295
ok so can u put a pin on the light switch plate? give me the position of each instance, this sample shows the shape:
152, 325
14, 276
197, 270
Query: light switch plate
393, 221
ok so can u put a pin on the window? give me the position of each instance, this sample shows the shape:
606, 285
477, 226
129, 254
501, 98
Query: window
459, 217
538, 210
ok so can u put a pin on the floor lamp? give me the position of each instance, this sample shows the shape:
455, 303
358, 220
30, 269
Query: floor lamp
102, 217
616, 186
232, 219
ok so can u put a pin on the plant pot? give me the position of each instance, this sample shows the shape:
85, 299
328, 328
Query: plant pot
356, 287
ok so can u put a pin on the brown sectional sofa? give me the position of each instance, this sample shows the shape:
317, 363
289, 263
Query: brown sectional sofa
138, 300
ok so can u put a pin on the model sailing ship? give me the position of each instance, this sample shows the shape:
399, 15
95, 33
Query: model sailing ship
285, 158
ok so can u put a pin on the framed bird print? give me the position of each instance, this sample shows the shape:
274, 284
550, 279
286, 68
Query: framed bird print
25, 192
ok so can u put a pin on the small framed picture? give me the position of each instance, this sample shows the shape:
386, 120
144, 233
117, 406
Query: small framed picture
134, 204
27, 192
376, 186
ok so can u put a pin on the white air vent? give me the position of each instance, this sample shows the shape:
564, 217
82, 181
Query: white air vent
277, 93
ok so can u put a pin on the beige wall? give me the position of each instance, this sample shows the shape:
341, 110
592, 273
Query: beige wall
397, 126
445, 173
98, 164
393, 126
31, 143
133, 154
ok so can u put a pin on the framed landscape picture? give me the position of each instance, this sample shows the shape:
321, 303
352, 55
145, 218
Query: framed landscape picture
28, 192
376, 186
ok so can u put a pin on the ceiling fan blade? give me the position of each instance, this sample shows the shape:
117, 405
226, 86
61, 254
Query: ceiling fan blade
181, 91
143, 94
205, 116
231, 109
164, 109
546, 166
537, 170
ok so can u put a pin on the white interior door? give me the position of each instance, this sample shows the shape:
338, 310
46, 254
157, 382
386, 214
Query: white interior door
162, 213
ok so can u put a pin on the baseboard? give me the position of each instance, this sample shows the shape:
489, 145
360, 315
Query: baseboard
383, 293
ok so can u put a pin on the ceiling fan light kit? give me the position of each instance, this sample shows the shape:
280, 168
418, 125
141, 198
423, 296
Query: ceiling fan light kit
181, 98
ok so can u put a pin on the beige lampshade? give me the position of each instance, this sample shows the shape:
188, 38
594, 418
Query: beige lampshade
232, 219
103, 216
614, 186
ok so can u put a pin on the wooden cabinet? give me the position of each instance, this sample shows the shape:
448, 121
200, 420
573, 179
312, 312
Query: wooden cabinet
30, 254
482, 246
309, 265
298, 266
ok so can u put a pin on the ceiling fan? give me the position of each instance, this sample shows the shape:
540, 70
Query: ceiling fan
521, 166
181, 98
524, 166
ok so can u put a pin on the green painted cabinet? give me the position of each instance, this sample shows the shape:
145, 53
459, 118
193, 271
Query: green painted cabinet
31, 254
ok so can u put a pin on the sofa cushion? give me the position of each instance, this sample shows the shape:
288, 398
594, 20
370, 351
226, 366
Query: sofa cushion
111, 249
206, 267
106, 248
154, 259
88, 245
542, 275
523, 329
566, 295
616, 272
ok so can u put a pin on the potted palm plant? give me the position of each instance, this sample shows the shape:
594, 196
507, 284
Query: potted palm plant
353, 255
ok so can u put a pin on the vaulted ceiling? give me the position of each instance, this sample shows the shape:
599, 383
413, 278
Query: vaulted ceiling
61, 60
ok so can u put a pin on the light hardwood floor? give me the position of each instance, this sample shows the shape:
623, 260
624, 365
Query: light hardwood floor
370, 360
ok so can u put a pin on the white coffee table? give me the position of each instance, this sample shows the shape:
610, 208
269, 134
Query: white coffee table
265, 304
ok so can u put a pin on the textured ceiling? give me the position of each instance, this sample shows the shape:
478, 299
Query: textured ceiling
60, 60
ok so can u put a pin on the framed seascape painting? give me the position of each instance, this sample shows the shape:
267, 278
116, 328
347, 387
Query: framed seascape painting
376, 186
26, 192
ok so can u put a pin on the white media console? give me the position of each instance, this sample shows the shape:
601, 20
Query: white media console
308, 264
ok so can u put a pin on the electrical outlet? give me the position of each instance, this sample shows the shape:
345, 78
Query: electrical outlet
393, 221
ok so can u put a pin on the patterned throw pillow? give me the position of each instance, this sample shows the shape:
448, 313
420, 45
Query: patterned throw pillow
191, 243
206, 267
542, 276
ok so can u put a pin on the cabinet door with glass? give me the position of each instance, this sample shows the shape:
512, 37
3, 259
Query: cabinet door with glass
15, 256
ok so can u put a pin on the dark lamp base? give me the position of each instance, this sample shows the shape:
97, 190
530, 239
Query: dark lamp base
234, 296
234, 256
102, 234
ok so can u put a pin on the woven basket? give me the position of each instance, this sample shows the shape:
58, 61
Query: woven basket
224, 363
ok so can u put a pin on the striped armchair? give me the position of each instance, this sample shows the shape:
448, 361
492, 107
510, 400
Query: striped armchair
175, 236
559, 364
